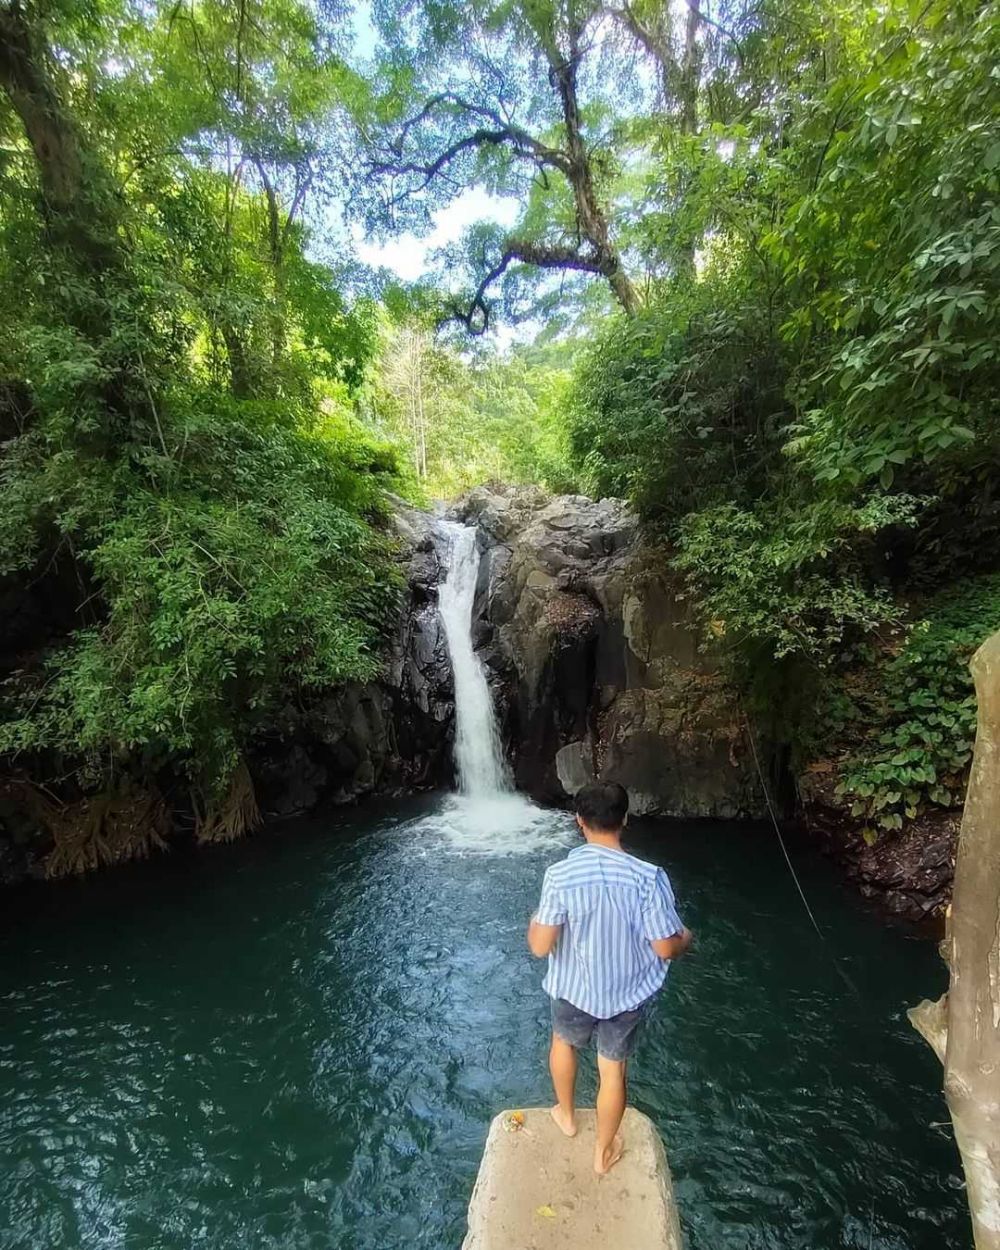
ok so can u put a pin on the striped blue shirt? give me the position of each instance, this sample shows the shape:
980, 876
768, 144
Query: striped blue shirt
611, 905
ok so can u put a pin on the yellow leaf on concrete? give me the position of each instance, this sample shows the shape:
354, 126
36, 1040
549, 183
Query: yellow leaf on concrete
546, 1212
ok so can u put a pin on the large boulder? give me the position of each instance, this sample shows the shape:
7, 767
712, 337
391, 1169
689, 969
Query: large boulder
598, 668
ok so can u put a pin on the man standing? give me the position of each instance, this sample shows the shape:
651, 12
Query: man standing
607, 922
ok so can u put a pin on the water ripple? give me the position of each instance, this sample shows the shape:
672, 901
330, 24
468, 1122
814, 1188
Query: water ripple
299, 1042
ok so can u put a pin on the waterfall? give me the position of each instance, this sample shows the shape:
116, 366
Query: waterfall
482, 772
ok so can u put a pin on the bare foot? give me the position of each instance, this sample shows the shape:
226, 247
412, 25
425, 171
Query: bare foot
604, 1163
567, 1123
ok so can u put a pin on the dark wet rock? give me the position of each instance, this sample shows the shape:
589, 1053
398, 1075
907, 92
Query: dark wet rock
597, 670
906, 873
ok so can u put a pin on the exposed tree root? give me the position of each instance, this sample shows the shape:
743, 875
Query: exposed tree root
107, 828
237, 814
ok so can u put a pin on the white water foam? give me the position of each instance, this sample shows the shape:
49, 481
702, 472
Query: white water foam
507, 824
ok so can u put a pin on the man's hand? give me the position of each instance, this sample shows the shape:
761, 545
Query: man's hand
542, 938
672, 947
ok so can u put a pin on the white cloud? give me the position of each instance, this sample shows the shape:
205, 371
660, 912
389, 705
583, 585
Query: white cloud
407, 254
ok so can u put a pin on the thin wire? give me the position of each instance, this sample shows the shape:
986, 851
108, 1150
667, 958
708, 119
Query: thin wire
777, 830
791, 867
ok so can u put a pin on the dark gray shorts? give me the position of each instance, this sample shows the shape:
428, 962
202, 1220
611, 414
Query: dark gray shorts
615, 1037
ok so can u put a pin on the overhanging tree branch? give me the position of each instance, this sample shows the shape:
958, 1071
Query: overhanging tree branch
591, 248
497, 131
475, 314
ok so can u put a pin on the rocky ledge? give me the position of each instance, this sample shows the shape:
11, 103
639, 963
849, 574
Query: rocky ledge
537, 1188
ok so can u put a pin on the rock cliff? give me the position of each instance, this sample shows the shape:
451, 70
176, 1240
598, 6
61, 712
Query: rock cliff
598, 670
594, 666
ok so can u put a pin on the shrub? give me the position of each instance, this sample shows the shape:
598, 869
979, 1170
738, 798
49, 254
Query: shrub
235, 566
921, 754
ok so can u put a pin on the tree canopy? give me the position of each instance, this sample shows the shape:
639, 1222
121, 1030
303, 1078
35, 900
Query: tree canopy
750, 285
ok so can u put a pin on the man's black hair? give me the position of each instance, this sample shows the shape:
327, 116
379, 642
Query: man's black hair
602, 805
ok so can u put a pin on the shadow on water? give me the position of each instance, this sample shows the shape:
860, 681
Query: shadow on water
299, 1041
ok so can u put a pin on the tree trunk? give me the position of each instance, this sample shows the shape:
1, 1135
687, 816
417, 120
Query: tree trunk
964, 1025
241, 375
421, 417
410, 386
81, 209
653, 35
680, 80
691, 71
77, 197
53, 137
276, 251
591, 218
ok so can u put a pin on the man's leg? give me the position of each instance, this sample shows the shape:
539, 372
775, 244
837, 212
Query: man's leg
562, 1065
610, 1109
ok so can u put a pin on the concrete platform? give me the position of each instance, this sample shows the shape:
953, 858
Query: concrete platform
537, 1189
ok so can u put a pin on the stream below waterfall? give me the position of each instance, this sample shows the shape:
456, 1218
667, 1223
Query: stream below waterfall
297, 1043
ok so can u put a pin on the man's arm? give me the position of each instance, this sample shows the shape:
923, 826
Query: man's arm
661, 918
542, 938
672, 947
547, 922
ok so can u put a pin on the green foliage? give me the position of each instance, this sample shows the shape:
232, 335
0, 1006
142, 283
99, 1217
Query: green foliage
920, 753
470, 419
681, 407
513, 425
786, 580
182, 464
231, 572
896, 253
